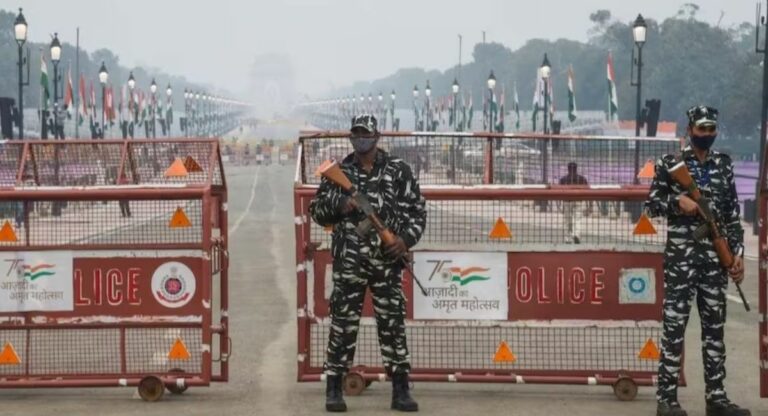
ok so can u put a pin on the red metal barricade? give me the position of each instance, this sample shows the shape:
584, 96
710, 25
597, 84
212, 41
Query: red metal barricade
113, 264
510, 300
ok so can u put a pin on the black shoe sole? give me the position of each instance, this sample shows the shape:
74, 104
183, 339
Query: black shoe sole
405, 409
336, 408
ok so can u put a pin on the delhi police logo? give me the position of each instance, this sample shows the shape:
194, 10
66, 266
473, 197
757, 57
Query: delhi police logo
173, 284
637, 286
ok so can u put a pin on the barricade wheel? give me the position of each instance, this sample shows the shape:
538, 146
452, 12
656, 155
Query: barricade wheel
625, 389
151, 389
354, 384
173, 387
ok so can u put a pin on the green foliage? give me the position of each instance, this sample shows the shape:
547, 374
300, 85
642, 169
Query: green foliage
685, 62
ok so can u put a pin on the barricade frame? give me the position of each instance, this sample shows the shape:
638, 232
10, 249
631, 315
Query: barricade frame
624, 382
209, 256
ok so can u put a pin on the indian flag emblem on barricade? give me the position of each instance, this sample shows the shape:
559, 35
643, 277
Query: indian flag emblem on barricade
34, 272
466, 276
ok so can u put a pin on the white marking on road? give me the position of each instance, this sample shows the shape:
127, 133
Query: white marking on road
247, 209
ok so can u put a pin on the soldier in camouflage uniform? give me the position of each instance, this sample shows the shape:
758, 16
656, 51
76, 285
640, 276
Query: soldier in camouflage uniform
692, 269
360, 262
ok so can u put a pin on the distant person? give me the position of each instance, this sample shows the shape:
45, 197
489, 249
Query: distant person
572, 209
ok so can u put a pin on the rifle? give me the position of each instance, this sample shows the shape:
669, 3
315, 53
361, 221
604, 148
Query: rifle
710, 228
333, 173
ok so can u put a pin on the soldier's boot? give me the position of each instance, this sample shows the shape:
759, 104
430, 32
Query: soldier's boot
726, 408
401, 397
334, 394
670, 409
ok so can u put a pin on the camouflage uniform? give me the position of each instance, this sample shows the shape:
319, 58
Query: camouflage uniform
359, 263
692, 269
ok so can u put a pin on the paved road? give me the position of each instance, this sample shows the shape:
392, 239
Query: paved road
263, 323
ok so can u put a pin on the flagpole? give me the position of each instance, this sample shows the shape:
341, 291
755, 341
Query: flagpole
77, 97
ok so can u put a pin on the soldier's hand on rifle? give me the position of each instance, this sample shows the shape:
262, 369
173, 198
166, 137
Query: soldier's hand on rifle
737, 270
688, 206
347, 206
396, 249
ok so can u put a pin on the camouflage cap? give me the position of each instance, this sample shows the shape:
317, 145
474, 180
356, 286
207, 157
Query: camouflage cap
702, 115
365, 121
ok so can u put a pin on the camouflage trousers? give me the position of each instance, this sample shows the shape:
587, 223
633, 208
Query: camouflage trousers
687, 277
349, 286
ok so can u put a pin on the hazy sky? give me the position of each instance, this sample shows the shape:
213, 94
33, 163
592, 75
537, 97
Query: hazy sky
330, 42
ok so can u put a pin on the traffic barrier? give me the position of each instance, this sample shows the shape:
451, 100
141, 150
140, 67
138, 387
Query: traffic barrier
113, 264
528, 281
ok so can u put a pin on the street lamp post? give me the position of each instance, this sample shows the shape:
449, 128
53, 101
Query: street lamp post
55, 58
169, 94
427, 106
20, 31
455, 90
196, 111
103, 77
153, 90
132, 102
382, 116
392, 111
415, 107
187, 118
639, 30
546, 70
491, 85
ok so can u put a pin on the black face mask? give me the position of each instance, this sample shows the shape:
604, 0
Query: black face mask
363, 144
703, 142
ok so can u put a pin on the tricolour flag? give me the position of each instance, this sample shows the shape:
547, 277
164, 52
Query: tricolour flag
613, 102
93, 103
169, 112
69, 93
500, 123
571, 96
83, 110
538, 98
45, 93
517, 108
470, 112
